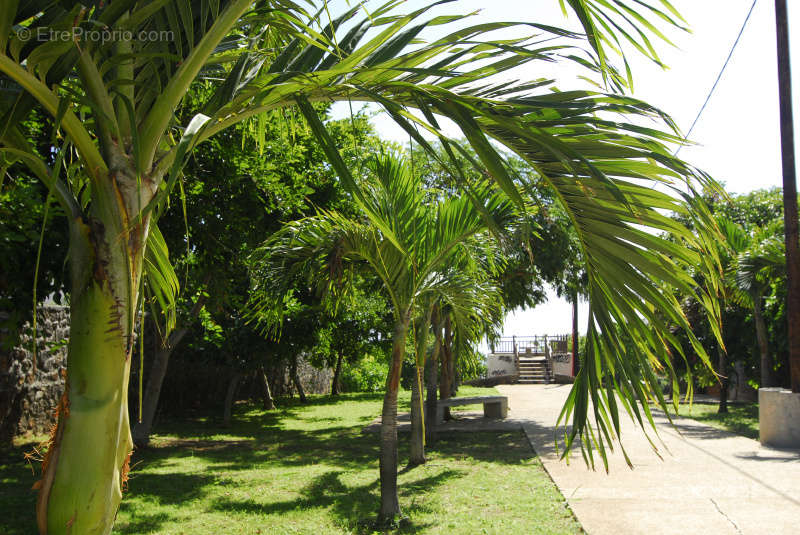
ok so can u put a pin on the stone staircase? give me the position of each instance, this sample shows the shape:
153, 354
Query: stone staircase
534, 371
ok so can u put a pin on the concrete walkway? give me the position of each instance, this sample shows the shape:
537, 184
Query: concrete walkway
709, 481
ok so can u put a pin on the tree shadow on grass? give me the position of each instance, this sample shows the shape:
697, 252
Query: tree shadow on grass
171, 488
342, 446
143, 523
17, 499
354, 507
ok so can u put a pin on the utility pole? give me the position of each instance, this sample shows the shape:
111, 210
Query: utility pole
789, 192
575, 338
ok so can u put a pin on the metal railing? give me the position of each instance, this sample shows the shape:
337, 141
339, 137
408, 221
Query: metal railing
531, 345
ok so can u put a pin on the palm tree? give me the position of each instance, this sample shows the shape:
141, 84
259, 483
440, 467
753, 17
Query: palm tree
758, 259
472, 300
414, 247
763, 263
112, 75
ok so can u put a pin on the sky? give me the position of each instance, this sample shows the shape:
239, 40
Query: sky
738, 136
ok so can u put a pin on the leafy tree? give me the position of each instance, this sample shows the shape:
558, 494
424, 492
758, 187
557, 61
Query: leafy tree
355, 326
115, 102
235, 193
754, 282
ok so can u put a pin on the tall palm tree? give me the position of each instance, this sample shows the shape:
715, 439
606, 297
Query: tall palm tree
112, 75
413, 246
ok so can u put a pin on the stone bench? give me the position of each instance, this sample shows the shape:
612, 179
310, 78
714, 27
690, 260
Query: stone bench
493, 406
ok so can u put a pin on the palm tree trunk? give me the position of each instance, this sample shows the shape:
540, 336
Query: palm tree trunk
88, 457
390, 503
722, 370
763, 345
269, 404
336, 373
431, 379
446, 388
417, 449
417, 453
296, 380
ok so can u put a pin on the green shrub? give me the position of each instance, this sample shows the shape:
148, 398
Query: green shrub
369, 375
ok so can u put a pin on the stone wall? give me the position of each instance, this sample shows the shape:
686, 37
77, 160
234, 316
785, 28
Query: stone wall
314, 380
28, 397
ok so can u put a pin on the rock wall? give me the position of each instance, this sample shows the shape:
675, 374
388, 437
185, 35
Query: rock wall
28, 396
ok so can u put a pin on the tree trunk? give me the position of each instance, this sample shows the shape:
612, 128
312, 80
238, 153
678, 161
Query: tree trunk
416, 455
446, 387
158, 370
390, 503
269, 404
336, 373
88, 458
431, 379
230, 397
724, 380
296, 381
763, 345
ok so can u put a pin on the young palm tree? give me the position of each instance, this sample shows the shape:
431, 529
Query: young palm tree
414, 247
756, 260
472, 299
112, 77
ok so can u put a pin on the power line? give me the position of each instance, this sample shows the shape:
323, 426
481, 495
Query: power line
719, 77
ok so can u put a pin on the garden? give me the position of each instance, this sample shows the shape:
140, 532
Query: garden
217, 271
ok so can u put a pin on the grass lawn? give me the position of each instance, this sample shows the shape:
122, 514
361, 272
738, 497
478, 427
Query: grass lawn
309, 469
742, 418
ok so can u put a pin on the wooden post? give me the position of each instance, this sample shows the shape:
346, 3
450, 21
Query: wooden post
789, 192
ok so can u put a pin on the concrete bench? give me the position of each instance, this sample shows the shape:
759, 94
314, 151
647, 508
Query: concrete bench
493, 406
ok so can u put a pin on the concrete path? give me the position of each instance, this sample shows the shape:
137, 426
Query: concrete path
709, 481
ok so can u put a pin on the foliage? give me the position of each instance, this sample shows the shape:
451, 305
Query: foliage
356, 326
369, 375
541, 246
236, 193
752, 224
116, 106
24, 205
